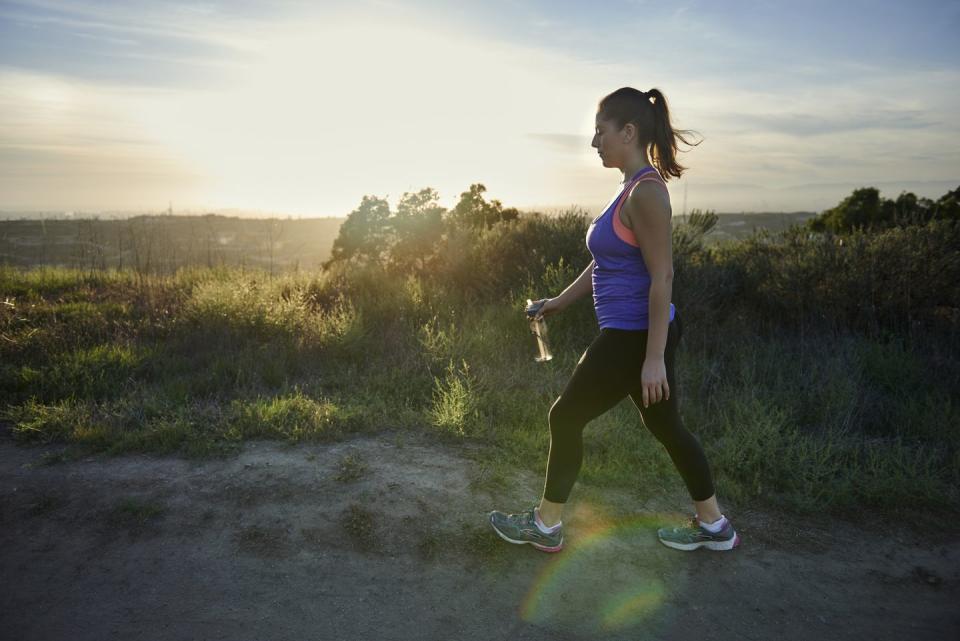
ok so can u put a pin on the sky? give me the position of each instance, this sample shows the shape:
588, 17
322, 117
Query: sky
302, 108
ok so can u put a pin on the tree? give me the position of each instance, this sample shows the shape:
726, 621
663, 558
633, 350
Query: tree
947, 206
365, 234
865, 209
860, 209
417, 228
473, 212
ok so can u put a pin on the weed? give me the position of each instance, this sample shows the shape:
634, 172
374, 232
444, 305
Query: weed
351, 467
358, 522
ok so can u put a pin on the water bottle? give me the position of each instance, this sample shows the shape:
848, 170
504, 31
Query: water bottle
539, 329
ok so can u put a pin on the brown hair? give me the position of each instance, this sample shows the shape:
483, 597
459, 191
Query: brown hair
653, 125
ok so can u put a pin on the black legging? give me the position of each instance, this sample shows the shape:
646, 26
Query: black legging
609, 370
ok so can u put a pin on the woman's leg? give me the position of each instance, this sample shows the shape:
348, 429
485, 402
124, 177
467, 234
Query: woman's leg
597, 384
664, 421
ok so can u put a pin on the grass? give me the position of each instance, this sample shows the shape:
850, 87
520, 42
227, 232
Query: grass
350, 468
198, 362
358, 522
489, 475
468, 538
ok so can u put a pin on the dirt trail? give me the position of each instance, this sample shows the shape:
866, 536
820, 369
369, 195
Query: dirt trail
386, 537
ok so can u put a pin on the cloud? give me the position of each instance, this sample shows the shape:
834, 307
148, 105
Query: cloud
136, 43
804, 124
284, 103
133, 18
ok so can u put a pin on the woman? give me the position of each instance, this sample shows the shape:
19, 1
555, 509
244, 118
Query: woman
631, 280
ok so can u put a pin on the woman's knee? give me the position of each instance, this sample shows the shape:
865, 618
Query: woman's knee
662, 419
561, 416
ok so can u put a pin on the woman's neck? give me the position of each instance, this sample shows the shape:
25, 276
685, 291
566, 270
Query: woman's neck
628, 174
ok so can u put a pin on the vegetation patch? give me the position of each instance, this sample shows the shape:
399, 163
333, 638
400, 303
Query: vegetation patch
359, 524
350, 468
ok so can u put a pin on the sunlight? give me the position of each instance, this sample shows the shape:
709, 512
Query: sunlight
321, 108
40, 101
49, 94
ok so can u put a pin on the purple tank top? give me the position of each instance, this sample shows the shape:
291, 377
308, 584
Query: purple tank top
621, 282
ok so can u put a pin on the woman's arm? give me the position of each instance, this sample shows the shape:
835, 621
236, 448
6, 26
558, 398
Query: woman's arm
582, 286
648, 211
659, 309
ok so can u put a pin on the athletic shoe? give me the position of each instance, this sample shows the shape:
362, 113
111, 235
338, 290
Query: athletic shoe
522, 528
692, 536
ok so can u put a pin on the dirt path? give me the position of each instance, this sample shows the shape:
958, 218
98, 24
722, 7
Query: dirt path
386, 538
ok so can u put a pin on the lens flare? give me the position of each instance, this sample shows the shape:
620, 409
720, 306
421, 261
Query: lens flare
605, 580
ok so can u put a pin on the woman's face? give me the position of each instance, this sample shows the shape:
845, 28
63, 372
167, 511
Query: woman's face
609, 142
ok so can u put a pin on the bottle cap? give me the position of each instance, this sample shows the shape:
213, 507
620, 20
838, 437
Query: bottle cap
533, 308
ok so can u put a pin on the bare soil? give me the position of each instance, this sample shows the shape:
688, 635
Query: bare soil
386, 537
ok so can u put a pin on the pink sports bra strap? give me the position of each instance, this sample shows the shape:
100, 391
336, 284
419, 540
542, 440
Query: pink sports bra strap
622, 231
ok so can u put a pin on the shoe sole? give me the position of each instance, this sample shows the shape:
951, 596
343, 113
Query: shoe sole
539, 546
710, 545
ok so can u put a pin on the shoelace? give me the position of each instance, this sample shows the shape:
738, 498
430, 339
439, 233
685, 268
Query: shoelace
521, 518
528, 517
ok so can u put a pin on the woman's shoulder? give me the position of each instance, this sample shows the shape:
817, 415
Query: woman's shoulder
650, 177
649, 186
648, 193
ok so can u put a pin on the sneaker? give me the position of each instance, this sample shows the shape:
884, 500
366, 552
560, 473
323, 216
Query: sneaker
522, 528
692, 536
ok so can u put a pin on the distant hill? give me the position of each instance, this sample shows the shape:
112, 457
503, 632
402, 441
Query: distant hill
739, 226
15, 214
159, 241
730, 226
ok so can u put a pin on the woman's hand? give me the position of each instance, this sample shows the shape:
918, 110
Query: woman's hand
550, 306
654, 381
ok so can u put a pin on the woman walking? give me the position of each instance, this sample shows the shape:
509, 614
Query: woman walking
634, 354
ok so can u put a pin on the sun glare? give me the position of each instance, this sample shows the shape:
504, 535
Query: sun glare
334, 107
